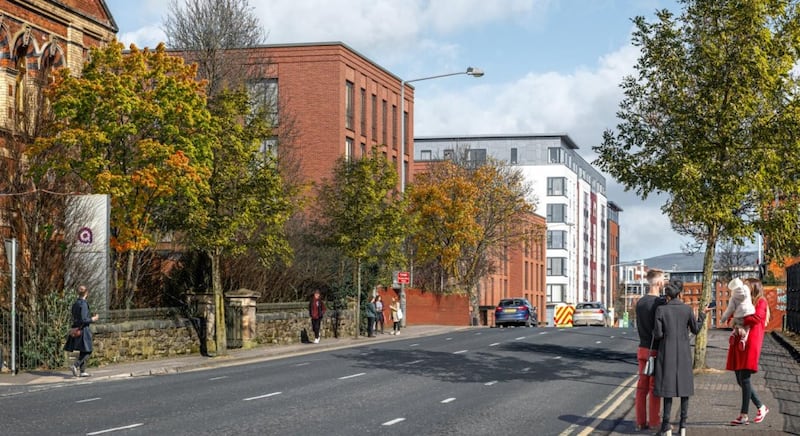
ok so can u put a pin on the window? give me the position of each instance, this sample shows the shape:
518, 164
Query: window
513, 159
374, 117
363, 149
349, 148
385, 124
556, 266
555, 293
476, 156
448, 154
557, 239
394, 127
425, 155
363, 112
264, 97
556, 213
554, 155
556, 186
349, 110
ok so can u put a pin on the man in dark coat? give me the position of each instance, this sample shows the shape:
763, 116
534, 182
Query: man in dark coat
82, 343
674, 377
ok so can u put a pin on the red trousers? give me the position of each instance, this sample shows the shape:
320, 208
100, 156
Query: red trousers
644, 388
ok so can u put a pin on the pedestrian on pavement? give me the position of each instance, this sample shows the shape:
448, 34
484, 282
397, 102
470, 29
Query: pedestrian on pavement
397, 315
83, 342
674, 377
740, 306
316, 310
645, 400
744, 362
379, 320
371, 315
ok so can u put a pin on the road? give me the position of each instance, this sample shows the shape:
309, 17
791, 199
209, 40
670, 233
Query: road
476, 381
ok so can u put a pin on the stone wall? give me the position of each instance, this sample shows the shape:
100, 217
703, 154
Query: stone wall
127, 341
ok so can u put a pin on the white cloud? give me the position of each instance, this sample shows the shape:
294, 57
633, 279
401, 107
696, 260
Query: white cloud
149, 36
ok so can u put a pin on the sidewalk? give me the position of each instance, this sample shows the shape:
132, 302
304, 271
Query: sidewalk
717, 397
11, 384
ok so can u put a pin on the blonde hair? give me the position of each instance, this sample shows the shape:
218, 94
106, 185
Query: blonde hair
757, 293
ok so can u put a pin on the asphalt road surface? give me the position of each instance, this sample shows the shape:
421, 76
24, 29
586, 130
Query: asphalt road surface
477, 381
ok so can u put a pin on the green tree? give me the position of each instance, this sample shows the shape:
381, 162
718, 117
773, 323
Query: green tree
247, 204
360, 212
466, 217
133, 126
704, 119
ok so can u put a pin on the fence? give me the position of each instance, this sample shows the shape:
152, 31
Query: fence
793, 298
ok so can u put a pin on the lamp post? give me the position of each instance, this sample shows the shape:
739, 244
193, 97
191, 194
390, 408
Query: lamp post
471, 71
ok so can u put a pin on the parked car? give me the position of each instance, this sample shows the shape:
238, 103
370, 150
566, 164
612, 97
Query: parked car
591, 313
515, 311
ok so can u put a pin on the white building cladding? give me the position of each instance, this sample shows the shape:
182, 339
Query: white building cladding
569, 191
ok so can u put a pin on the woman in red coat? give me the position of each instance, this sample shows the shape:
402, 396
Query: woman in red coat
744, 363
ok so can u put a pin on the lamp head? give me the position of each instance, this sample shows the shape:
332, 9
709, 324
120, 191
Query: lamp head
475, 72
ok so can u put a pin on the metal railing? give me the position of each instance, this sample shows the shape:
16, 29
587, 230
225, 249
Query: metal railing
793, 298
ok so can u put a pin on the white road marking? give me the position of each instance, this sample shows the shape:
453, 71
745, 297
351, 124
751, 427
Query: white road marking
414, 362
495, 344
460, 351
218, 378
109, 430
88, 400
526, 369
476, 334
542, 333
610, 337
262, 396
448, 400
628, 386
448, 339
557, 357
520, 338
413, 345
352, 376
303, 364
394, 421
598, 342
491, 383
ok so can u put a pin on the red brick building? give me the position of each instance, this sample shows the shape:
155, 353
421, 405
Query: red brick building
337, 102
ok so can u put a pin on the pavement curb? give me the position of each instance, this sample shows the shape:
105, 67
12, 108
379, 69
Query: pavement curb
785, 343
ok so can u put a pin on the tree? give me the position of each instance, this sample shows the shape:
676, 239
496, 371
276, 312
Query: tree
731, 260
361, 213
133, 126
247, 204
704, 119
465, 218
208, 30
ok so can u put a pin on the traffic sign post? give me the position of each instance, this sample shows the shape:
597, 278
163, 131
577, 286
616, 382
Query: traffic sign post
403, 278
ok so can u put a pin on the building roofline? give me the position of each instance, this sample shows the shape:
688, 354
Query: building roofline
563, 136
614, 206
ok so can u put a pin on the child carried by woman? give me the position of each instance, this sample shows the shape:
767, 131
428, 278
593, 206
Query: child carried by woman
739, 307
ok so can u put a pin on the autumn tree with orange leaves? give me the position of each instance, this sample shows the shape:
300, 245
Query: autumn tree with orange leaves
465, 215
134, 126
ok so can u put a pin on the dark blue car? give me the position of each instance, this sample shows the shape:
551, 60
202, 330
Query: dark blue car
515, 311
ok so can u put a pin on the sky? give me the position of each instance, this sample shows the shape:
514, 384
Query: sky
551, 66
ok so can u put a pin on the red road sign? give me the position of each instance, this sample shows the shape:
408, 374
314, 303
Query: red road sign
403, 277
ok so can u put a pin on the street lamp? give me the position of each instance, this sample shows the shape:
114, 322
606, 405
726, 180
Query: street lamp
471, 71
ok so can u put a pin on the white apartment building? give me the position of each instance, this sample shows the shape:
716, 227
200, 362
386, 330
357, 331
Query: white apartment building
569, 191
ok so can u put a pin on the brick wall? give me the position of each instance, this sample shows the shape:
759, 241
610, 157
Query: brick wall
428, 308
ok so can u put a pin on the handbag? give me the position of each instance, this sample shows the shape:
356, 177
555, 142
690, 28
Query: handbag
650, 366
75, 332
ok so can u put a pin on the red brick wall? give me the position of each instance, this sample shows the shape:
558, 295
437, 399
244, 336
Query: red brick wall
428, 308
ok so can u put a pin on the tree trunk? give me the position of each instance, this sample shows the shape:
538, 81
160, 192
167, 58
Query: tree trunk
701, 341
129, 285
474, 300
220, 334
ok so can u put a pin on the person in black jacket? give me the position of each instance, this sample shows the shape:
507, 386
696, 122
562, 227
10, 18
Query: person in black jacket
648, 405
316, 310
674, 377
82, 343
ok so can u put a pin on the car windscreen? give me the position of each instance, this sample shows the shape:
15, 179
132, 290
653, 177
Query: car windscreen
587, 306
505, 303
